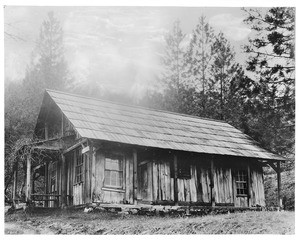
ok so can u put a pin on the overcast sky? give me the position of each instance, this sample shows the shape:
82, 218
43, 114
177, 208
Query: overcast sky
116, 47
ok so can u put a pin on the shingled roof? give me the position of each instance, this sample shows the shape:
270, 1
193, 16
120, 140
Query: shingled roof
109, 121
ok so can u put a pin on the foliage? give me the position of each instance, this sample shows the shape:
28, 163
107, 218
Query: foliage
51, 66
22, 100
175, 87
223, 70
272, 104
272, 60
199, 59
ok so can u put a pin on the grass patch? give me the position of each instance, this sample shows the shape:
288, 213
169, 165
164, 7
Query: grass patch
77, 222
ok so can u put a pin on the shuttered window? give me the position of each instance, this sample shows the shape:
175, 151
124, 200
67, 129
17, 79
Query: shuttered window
241, 179
113, 171
184, 170
79, 167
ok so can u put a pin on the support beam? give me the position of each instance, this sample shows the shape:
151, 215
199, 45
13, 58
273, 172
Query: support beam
87, 181
15, 181
135, 180
46, 182
175, 180
272, 165
279, 200
63, 182
212, 186
75, 146
93, 170
249, 183
28, 182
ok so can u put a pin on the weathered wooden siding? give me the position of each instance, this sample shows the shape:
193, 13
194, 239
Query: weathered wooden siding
100, 193
78, 188
257, 187
78, 193
70, 177
162, 185
156, 181
223, 185
187, 188
203, 183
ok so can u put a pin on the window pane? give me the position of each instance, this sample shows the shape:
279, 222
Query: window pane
107, 178
120, 179
113, 178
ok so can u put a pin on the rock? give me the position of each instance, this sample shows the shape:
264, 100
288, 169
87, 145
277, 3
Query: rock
88, 209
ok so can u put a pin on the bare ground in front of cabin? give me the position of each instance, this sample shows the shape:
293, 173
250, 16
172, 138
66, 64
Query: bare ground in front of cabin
78, 222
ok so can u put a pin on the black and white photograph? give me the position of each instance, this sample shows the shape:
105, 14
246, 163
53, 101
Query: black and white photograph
149, 119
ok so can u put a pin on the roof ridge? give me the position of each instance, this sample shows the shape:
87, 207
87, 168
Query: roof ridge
140, 107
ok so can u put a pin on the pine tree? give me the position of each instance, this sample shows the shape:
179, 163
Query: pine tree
272, 59
51, 66
198, 62
175, 87
223, 69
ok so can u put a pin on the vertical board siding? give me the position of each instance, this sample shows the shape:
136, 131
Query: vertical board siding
130, 184
257, 187
159, 185
154, 183
78, 194
203, 181
223, 185
168, 180
127, 182
149, 172
93, 173
99, 176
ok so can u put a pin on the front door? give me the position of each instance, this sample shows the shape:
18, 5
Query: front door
145, 182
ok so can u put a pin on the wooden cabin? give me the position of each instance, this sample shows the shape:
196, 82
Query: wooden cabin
106, 152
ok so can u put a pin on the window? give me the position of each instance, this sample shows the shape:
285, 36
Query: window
241, 179
113, 171
79, 167
184, 170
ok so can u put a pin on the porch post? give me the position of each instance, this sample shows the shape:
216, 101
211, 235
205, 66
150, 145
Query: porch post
14, 187
28, 182
46, 182
279, 200
135, 181
212, 190
249, 183
93, 170
175, 181
63, 182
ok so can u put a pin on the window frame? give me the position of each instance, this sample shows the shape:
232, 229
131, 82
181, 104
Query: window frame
241, 179
114, 156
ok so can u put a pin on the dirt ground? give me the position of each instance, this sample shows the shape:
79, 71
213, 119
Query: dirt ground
78, 222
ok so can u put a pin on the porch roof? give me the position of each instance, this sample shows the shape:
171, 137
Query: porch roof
109, 121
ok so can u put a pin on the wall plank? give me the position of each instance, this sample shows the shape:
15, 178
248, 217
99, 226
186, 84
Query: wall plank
130, 158
155, 182
168, 180
149, 172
